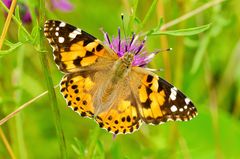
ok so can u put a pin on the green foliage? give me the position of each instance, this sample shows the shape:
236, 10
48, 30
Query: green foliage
181, 32
204, 64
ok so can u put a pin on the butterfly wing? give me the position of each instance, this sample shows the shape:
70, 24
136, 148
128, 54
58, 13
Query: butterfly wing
81, 90
158, 100
76, 89
142, 96
74, 49
86, 61
122, 116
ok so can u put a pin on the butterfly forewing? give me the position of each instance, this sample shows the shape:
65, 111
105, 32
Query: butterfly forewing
74, 49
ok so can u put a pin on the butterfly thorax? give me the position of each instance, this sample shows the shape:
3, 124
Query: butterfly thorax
109, 91
122, 67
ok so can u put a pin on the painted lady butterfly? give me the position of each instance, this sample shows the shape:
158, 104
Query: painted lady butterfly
108, 82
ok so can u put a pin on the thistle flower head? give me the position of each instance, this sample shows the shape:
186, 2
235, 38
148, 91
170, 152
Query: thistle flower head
130, 45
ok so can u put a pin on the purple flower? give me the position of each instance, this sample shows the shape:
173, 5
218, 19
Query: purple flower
63, 5
130, 45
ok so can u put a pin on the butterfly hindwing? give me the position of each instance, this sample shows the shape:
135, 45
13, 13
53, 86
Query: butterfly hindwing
73, 48
76, 89
81, 90
161, 102
122, 119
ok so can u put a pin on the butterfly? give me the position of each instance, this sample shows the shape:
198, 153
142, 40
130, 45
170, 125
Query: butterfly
115, 89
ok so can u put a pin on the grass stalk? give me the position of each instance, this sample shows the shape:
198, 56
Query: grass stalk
3, 35
214, 106
164, 44
179, 52
18, 96
150, 11
19, 23
191, 14
50, 86
20, 108
7, 22
92, 143
6, 143
132, 16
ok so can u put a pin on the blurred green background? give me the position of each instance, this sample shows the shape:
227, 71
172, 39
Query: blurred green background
206, 67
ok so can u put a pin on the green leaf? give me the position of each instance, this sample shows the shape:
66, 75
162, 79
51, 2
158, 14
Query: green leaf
35, 35
78, 148
17, 13
183, 32
137, 21
12, 47
22, 36
132, 16
150, 11
99, 151
160, 23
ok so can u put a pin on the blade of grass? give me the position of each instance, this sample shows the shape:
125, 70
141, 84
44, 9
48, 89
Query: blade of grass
92, 142
19, 23
150, 11
9, 116
183, 32
132, 16
7, 22
190, 14
12, 47
164, 43
6, 143
50, 86
18, 96
3, 35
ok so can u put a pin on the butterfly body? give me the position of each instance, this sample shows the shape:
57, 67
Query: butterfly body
106, 83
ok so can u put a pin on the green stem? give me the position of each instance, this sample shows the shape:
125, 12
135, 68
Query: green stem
52, 95
150, 11
132, 16
92, 142
18, 96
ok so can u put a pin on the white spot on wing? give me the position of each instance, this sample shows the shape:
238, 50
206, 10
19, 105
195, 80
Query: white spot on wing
187, 101
169, 119
62, 24
61, 39
73, 34
56, 33
173, 93
77, 31
57, 28
173, 108
181, 109
185, 107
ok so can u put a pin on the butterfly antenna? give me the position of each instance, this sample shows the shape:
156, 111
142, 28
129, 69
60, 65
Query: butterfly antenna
163, 50
123, 26
154, 70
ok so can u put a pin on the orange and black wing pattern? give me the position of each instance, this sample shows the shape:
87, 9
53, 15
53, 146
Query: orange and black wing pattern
74, 49
160, 102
